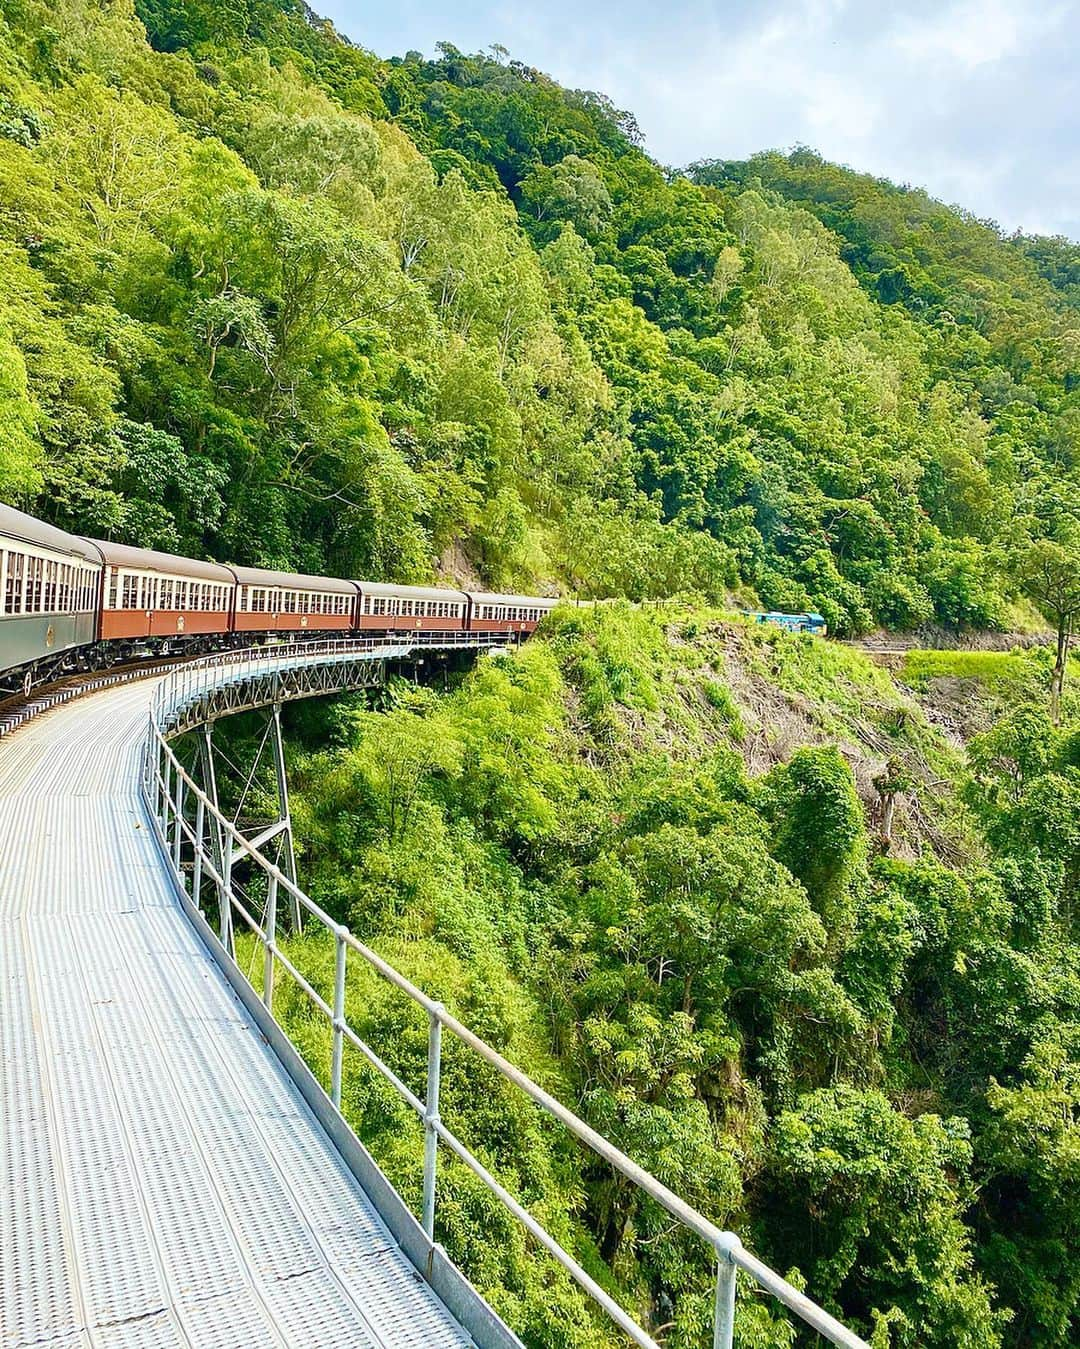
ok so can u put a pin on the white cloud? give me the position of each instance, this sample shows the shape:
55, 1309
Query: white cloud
968, 35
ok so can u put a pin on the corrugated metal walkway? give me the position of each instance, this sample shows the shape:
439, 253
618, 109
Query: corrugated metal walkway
162, 1182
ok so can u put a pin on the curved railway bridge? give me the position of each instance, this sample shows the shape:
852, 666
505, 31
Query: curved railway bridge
171, 1173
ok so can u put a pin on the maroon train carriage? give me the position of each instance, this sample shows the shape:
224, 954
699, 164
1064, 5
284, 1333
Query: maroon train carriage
400, 608
279, 601
161, 598
507, 613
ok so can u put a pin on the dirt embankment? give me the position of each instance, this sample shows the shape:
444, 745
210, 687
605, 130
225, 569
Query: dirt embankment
943, 639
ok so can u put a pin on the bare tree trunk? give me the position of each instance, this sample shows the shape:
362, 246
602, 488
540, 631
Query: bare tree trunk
888, 809
1057, 678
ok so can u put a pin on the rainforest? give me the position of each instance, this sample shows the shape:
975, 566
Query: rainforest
794, 923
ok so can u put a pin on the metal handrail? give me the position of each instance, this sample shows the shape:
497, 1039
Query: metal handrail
167, 786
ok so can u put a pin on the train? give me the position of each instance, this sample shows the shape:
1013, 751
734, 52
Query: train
808, 622
69, 604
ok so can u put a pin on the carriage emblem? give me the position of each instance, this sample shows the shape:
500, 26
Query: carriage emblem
50, 636
179, 622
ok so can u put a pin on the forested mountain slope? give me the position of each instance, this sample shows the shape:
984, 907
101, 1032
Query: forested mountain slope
798, 936
267, 296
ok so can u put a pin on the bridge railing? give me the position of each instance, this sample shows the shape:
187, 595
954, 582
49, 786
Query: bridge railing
199, 841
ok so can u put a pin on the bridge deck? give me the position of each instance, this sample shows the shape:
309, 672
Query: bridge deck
162, 1182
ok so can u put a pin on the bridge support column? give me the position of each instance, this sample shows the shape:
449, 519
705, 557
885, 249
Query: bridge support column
288, 859
222, 855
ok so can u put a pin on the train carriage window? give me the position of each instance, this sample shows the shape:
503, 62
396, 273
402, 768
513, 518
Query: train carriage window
13, 587
165, 593
34, 570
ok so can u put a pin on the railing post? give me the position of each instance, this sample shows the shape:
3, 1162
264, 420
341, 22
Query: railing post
226, 895
178, 821
724, 1315
165, 790
196, 874
431, 1118
340, 950
269, 935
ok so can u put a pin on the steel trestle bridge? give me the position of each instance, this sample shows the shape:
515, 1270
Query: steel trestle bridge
171, 1172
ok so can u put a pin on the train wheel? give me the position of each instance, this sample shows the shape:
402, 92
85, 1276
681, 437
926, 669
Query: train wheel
28, 683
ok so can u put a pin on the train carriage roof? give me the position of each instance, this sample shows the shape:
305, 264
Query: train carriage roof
18, 525
169, 564
411, 592
518, 601
258, 576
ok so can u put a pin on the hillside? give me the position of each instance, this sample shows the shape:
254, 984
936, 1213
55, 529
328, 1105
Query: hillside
270, 297
773, 920
796, 930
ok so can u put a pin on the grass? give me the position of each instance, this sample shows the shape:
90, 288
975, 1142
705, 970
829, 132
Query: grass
995, 669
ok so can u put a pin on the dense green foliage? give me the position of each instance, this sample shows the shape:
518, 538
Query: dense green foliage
269, 297
862, 1055
731, 894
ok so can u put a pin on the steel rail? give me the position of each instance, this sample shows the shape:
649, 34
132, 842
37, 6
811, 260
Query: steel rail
169, 789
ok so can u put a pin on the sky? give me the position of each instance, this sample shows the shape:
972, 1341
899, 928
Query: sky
975, 100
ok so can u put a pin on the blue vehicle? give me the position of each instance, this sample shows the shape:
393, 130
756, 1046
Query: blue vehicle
809, 622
